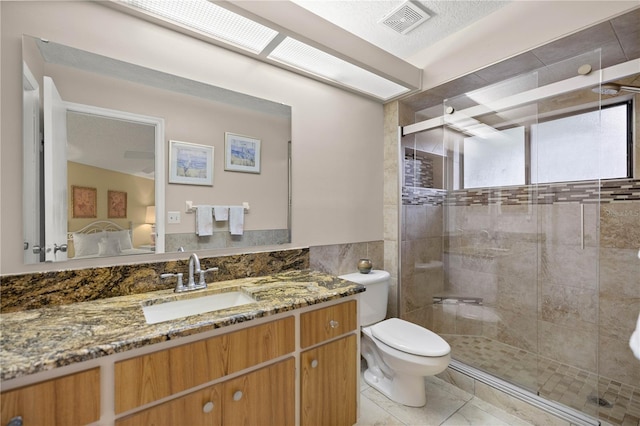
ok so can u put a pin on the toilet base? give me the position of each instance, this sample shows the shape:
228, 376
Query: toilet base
406, 390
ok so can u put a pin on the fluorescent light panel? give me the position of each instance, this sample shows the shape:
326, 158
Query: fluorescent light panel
307, 58
224, 25
212, 20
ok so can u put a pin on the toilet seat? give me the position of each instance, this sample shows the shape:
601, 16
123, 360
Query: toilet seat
410, 338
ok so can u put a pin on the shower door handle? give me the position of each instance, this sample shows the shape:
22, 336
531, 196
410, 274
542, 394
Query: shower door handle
582, 226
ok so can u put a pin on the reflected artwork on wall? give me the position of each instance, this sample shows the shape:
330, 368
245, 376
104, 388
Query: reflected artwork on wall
117, 202
241, 153
83, 201
190, 163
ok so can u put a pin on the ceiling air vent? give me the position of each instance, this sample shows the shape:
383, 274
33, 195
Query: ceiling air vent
405, 18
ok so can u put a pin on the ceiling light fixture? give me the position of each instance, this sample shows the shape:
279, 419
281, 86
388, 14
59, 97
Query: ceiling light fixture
212, 20
222, 25
307, 58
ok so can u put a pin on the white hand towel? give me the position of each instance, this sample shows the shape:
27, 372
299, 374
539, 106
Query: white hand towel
204, 220
221, 213
236, 220
634, 342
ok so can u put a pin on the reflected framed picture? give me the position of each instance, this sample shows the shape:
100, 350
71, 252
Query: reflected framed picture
241, 153
83, 201
190, 163
116, 204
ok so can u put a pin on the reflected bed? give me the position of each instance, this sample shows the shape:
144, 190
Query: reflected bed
102, 238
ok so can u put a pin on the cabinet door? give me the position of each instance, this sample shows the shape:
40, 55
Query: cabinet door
66, 401
263, 397
329, 384
202, 408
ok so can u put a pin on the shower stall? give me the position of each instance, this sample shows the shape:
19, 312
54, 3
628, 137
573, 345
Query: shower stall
520, 228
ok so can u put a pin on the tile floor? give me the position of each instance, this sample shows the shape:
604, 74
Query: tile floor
447, 405
553, 380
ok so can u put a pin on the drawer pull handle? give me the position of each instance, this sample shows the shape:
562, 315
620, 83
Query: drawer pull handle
334, 324
208, 407
314, 363
15, 421
237, 396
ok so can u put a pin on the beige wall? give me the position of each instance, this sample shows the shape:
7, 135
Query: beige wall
337, 136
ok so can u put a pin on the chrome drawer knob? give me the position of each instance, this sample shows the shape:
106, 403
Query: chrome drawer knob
314, 363
334, 324
237, 396
208, 407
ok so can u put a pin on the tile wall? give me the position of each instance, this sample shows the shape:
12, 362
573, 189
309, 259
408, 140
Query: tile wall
546, 285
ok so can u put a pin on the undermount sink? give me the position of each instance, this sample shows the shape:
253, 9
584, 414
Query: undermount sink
160, 312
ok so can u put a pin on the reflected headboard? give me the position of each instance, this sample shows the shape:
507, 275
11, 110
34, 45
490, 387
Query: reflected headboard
100, 238
100, 226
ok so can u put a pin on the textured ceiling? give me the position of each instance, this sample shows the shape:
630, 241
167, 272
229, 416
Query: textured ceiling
361, 18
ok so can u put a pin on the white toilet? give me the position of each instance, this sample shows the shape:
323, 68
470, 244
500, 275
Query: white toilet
399, 354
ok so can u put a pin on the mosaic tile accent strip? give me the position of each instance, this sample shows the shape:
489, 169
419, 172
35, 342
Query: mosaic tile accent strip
609, 191
598, 396
418, 169
423, 196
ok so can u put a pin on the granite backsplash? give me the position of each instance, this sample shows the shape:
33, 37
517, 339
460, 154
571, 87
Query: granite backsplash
37, 290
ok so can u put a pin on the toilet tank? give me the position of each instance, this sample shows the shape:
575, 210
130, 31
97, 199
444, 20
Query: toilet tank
373, 302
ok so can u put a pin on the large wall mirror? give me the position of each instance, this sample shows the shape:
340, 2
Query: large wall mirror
109, 148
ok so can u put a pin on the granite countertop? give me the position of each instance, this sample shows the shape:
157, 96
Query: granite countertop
43, 339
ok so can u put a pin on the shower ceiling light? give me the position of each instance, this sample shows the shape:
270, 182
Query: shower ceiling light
212, 20
307, 58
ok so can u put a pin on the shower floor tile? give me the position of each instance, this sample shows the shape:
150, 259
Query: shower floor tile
617, 403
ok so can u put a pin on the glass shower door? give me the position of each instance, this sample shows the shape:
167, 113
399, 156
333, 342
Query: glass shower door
489, 309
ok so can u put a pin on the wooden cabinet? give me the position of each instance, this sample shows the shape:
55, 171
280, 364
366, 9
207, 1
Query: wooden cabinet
151, 377
263, 397
243, 377
328, 373
66, 401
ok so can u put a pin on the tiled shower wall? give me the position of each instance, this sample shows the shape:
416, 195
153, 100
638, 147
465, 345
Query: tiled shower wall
546, 286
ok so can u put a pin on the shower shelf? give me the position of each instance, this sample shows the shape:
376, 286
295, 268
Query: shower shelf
457, 300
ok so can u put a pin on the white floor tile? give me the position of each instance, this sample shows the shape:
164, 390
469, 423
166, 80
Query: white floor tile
372, 415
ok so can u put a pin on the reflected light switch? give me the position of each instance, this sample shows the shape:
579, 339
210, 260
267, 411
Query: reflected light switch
173, 217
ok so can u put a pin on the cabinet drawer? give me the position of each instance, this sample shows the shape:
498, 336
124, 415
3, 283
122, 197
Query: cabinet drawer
148, 378
68, 400
327, 323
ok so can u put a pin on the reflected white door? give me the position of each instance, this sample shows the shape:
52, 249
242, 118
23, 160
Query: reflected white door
31, 169
55, 174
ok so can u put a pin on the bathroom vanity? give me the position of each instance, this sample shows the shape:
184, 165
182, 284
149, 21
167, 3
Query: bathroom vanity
291, 357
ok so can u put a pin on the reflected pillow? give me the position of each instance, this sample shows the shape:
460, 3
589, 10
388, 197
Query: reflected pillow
123, 236
109, 247
86, 244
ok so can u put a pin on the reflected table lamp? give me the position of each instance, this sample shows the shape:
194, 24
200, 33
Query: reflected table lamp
151, 219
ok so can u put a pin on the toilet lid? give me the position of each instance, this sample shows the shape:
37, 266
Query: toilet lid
411, 338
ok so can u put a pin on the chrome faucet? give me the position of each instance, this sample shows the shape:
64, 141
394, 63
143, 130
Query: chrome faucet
194, 268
